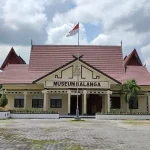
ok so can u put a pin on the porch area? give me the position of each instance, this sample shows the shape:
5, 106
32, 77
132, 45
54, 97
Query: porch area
90, 102
63, 101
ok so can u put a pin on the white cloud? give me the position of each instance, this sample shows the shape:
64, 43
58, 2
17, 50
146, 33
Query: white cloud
24, 52
25, 12
107, 13
126, 20
147, 62
57, 34
145, 50
116, 36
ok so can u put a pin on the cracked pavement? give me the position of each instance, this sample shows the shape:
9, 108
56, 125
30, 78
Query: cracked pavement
91, 134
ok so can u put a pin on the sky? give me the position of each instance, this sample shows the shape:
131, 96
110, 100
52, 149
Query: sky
102, 22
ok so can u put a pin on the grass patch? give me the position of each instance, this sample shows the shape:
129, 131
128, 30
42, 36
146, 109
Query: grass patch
6, 121
47, 130
39, 144
7, 134
137, 122
78, 147
74, 120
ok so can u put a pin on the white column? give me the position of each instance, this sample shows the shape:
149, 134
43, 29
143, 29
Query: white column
25, 100
148, 102
69, 96
45, 102
108, 101
85, 102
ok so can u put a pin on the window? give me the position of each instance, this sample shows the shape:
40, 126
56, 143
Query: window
19, 103
56, 103
37, 103
133, 105
115, 102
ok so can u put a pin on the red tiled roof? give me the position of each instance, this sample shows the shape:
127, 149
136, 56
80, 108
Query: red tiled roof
18, 73
139, 73
45, 59
108, 59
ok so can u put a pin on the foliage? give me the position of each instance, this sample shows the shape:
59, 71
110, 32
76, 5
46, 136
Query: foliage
74, 120
136, 122
3, 100
122, 113
131, 89
78, 147
33, 110
39, 144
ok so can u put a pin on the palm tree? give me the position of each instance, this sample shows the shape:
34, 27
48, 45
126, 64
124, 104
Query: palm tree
131, 89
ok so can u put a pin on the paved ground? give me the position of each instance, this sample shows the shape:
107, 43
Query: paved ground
25, 134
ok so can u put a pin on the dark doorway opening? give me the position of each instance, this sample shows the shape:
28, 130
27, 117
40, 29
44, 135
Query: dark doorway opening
94, 104
73, 104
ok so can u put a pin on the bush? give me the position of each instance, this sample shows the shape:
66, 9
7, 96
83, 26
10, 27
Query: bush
123, 113
32, 111
3, 100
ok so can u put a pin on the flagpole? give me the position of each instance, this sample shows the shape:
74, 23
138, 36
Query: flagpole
77, 68
78, 72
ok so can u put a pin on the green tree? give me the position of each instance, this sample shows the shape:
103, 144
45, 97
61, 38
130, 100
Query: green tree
3, 100
131, 89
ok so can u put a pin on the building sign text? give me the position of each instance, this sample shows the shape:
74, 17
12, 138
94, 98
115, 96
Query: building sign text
80, 84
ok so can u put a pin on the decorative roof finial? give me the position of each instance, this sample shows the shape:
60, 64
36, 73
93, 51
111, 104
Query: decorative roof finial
31, 42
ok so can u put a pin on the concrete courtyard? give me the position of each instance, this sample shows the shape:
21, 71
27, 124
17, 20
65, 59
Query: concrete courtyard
65, 134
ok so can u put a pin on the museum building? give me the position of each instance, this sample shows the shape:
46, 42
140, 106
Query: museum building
54, 73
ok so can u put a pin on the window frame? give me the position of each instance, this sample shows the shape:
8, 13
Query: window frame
37, 104
21, 104
54, 103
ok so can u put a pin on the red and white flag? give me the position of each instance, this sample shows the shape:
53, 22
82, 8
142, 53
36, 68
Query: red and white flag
74, 31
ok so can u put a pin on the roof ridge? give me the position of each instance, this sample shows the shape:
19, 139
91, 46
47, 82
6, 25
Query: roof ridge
78, 45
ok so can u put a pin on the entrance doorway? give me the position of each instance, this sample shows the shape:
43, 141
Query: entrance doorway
73, 104
94, 104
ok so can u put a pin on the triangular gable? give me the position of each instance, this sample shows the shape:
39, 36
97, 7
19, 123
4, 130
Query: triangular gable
22, 60
87, 73
12, 58
133, 59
